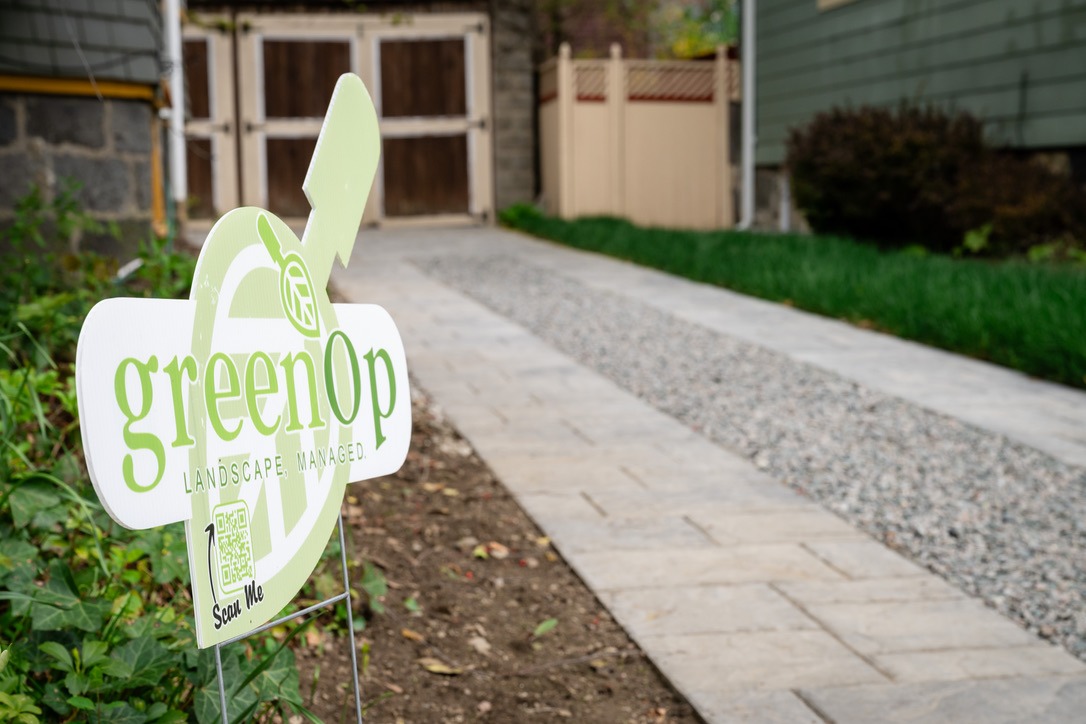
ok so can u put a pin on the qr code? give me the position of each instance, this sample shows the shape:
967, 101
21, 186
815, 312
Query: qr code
235, 543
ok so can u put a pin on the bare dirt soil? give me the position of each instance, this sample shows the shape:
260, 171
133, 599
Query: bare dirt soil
482, 620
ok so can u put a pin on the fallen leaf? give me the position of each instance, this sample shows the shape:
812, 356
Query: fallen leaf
484, 707
480, 551
497, 550
451, 492
433, 487
413, 635
436, 666
542, 541
480, 645
544, 627
393, 688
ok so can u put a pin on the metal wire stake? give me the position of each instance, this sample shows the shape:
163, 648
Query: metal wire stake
345, 596
350, 623
222, 686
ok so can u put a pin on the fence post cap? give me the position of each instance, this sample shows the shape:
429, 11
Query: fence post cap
616, 51
564, 50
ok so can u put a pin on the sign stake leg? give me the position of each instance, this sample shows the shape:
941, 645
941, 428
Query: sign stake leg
350, 623
222, 685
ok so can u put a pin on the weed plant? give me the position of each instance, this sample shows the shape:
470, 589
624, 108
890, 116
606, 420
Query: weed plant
95, 620
1027, 316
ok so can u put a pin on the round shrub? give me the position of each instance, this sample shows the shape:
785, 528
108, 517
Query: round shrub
1025, 203
915, 175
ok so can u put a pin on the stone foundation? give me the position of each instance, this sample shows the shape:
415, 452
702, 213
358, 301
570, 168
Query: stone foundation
513, 23
103, 146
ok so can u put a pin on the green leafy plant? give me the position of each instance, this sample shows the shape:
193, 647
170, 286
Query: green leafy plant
95, 618
374, 586
695, 29
976, 240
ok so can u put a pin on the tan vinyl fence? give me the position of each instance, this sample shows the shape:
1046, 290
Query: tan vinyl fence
642, 139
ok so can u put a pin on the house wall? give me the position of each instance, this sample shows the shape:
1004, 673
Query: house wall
118, 40
1019, 66
105, 146
92, 122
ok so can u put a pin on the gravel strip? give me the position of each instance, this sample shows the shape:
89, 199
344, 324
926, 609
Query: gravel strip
997, 518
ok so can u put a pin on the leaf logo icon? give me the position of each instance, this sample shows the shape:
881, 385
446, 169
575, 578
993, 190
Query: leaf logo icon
296, 292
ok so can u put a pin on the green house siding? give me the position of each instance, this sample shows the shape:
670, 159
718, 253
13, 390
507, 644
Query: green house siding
109, 39
1018, 64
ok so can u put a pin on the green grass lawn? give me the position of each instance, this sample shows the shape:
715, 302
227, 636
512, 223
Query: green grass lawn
1030, 317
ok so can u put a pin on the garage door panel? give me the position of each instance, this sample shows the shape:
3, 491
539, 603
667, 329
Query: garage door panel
426, 175
300, 75
287, 162
423, 78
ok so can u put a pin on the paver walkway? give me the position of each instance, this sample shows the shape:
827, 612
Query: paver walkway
754, 602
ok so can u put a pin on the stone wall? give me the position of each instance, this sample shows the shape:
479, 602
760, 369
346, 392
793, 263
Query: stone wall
105, 146
774, 206
512, 46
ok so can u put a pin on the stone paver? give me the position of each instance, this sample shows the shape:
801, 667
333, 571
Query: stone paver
706, 609
764, 707
883, 627
1034, 659
757, 604
1049, 700
743, 662
863, 558
613, 569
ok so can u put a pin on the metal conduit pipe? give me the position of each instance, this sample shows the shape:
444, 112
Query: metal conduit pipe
175, 62
748, 139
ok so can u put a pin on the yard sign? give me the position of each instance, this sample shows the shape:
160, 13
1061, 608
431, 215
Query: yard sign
246, 410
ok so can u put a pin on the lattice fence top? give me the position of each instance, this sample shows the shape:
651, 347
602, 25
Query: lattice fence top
590, 80
734, 81
642, 80
692, 82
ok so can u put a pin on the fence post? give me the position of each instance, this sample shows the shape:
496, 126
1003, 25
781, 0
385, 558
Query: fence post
616, 107
565, 100
722, 99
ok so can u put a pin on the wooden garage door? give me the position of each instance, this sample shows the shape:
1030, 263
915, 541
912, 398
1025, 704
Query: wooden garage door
299, 77
425, 112
429, 79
